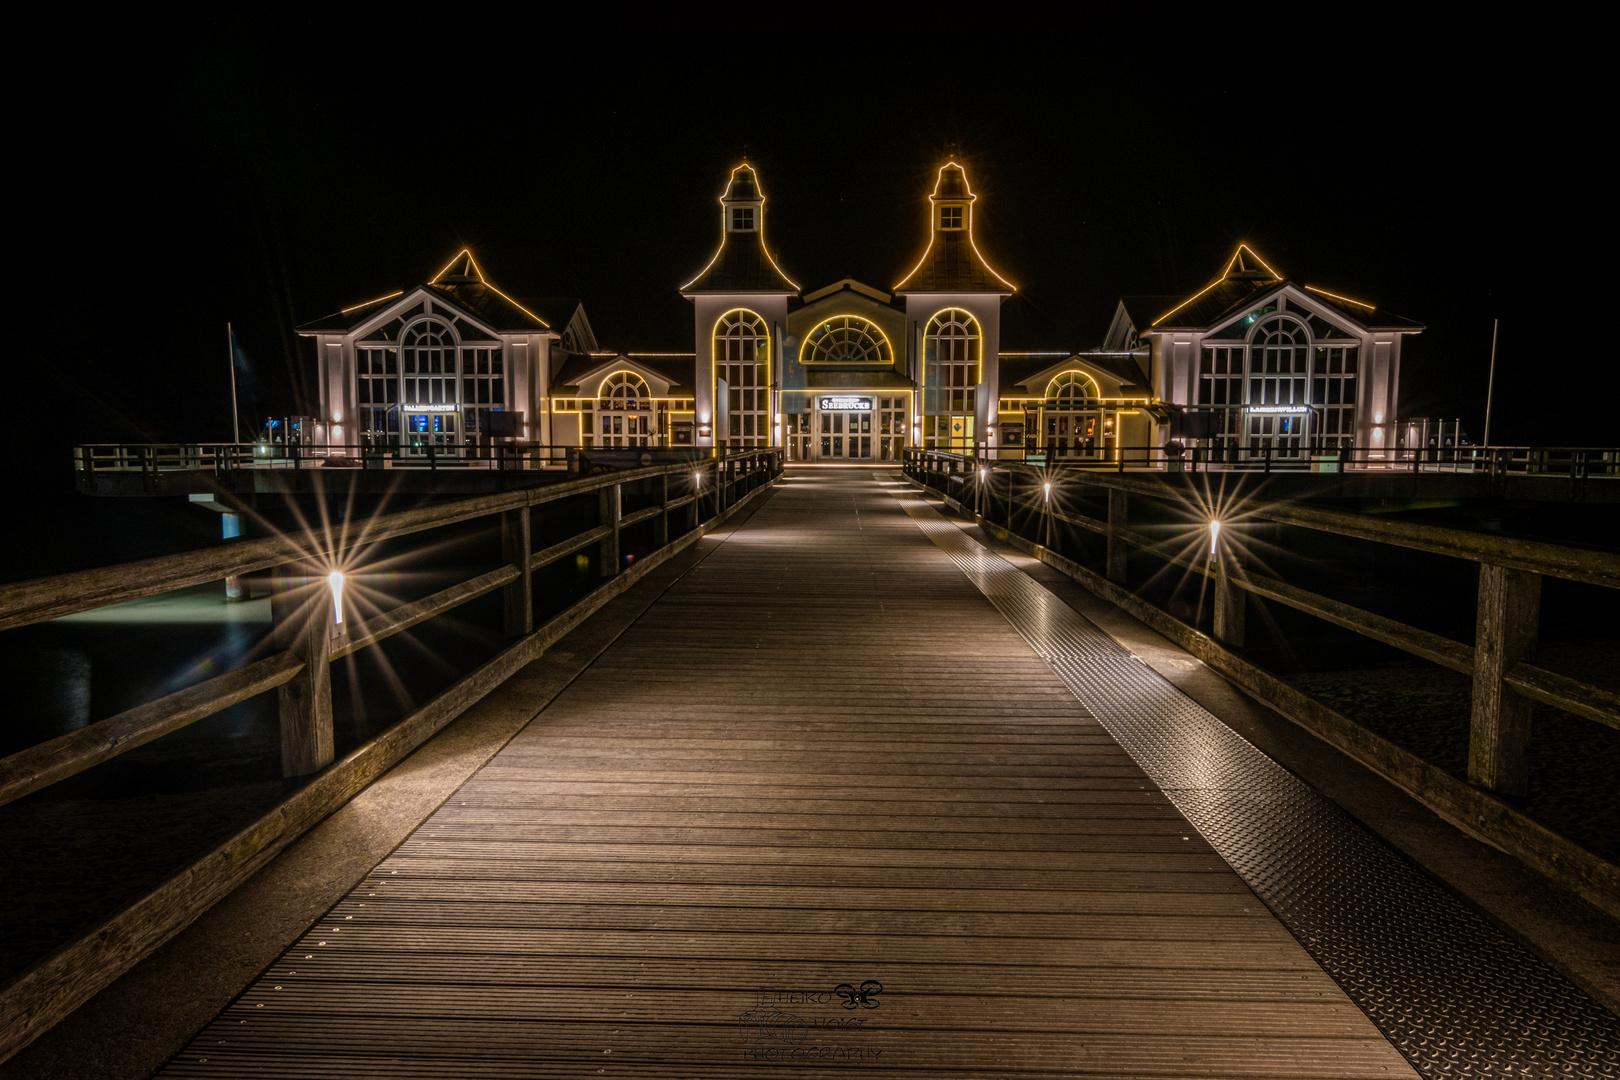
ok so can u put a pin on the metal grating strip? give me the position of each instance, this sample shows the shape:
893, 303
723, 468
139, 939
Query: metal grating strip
1446, 986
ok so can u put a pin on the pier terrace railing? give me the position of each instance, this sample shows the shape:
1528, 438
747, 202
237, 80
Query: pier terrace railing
1024, 505
1205, 455
688, 499
90, 459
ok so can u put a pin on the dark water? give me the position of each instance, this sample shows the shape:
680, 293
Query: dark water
74, 853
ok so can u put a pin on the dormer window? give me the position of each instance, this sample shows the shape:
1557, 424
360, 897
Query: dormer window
742, 219
950, 217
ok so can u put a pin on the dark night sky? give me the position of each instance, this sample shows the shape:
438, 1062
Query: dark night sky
269, 173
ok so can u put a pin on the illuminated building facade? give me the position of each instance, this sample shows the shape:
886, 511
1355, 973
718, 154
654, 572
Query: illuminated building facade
428, 365
849, 373
1273, 364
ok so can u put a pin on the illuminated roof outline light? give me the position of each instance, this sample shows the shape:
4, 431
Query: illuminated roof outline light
1236, 267
467, 271
950, 189
743, 190
1341, 299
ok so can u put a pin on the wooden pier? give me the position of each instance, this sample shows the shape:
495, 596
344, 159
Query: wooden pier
820, 808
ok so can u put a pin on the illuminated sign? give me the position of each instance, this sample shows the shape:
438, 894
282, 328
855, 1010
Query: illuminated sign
1278, 410
431, 408
844, 404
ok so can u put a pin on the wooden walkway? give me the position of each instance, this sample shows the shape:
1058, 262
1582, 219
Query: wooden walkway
821, 758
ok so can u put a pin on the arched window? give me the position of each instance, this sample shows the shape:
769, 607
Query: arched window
428, 378
1071, 390
623, 412
1279, 362
951, 352
742, 350
846, 339
624, 390
428, 364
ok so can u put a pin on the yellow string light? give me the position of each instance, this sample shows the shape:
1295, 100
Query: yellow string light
1336, 296
968, 228
478, 272
759, 227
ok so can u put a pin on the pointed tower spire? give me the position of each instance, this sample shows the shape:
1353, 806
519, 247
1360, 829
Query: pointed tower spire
952, 262
743, 264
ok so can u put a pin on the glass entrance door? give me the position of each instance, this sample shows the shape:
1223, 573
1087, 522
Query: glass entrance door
437, 429
891, 428
1075, 435
625, 429
846, 436
1284, 434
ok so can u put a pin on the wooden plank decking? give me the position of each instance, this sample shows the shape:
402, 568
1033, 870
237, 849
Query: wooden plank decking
821, 758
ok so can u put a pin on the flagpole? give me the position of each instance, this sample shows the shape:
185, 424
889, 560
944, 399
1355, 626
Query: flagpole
1490, 385
236, 422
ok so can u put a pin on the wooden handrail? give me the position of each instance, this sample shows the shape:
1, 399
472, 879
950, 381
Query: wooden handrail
405, 616
43, 599
1590, 566
44, 994
56, 759
1559, 691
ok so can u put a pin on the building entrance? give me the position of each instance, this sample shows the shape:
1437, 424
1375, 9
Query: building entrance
844, 427
1085, 435
846, 435
424, 429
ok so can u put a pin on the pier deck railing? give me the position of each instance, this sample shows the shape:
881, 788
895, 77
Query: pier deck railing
1026, 504
1208, 455
689, 499
90, 459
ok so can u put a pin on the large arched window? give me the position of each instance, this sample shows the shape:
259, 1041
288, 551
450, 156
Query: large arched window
1279, 362
846, 339
1071, 390
624, 390
428, 356
742, 359
428, 393
951, 352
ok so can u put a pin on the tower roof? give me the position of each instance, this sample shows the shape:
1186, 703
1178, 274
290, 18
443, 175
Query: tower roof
743, 264
952, 262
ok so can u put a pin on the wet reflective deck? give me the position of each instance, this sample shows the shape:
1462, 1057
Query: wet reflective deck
823, 807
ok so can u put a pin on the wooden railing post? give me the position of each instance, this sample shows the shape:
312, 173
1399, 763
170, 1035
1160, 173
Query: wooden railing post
1118, 514
661, 522
1231, 602
1049, 531
1505, 633
306, 628
519, 595
611, 509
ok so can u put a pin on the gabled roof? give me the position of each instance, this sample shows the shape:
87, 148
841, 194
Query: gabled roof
564, 314
462, 284
1035, 371
743, 264
1142, 310
679, 371
952, 262
1246, 282
847, 286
